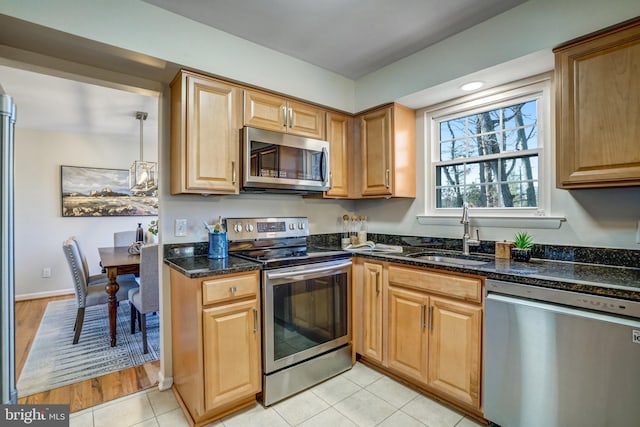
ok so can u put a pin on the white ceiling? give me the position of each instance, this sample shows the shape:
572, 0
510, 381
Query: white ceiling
349, 37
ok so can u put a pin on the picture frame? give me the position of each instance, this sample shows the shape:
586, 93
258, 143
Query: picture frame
97, 192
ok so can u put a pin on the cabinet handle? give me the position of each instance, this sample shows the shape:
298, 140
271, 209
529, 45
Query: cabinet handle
377, 282
430, 317
422, 319
255, 320
284, 116
233, 289
386, 178
233, 172
290, 120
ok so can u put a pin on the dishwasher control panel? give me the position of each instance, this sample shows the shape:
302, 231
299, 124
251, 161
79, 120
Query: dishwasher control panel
573, 299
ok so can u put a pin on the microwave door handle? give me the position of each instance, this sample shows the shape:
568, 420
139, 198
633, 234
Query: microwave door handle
326, 173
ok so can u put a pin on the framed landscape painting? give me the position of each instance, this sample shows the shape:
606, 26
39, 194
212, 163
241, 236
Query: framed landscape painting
103, 192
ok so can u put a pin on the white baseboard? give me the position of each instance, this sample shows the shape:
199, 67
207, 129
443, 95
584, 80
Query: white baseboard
164, 383
36, 295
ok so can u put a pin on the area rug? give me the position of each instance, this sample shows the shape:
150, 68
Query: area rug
54, 361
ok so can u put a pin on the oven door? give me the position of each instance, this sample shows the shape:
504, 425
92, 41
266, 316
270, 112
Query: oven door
306, 312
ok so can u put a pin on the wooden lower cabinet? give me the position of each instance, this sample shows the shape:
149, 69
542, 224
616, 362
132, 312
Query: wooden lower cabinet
455, 341
432, 330
407, 332
372, 311
232, 353
216, 348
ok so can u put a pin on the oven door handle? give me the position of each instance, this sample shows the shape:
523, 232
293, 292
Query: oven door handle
302, 274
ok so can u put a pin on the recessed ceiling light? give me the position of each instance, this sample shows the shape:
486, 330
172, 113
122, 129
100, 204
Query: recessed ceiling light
472, 86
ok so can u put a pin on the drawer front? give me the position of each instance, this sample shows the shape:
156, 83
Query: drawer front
229, 288
466, 288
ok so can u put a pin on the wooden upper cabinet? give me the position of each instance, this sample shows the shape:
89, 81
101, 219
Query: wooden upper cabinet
597, 109
273, 112
388, 152
340, 137
205, 123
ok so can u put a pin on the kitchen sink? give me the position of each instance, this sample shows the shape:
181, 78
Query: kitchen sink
449, 258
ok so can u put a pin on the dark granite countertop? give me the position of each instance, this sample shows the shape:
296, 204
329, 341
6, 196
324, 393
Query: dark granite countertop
613, 281
202, 266
599, 279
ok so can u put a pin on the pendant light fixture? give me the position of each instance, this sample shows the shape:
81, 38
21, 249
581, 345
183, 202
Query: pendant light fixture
143, 175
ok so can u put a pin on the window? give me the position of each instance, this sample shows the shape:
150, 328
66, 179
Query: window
488, 151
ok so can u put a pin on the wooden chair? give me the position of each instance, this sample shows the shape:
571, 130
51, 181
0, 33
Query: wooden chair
124, 238
145, 299
90, 293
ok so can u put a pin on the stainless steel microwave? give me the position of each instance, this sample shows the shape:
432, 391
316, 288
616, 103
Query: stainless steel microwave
279, 162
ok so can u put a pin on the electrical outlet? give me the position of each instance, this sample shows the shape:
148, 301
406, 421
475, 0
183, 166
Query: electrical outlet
181, 227
638, 232
46, 272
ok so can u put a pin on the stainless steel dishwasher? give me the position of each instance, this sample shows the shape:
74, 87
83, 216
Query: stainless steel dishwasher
555, 358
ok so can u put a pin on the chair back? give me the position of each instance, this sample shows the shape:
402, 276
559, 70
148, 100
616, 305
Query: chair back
83, 258
76, 268
149, 283
124, 238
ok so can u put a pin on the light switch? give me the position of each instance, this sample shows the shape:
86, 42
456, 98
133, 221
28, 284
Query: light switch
181, 227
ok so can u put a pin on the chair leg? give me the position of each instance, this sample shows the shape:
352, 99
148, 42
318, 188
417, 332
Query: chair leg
145, 348
78, 325
139, 321
132, 318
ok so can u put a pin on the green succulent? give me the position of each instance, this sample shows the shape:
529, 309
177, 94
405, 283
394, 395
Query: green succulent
523, 240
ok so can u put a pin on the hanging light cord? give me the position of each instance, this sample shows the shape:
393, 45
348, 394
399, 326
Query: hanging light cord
142, 116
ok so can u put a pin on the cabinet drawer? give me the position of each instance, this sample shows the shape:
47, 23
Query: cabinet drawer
229, 288
466, 288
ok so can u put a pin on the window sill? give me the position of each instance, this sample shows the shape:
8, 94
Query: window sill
540, 222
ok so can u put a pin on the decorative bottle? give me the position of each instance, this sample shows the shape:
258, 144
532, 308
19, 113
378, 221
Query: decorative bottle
362, 231
344, 240
139, 233
353, 234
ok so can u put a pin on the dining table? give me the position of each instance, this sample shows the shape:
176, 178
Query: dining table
117, 260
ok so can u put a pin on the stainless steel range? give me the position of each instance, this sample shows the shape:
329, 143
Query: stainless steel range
306, 300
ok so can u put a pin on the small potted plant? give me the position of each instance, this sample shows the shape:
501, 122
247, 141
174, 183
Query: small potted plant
152, 232
522, 242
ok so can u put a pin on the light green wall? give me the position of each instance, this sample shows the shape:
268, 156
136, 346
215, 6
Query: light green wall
141, 27
533, 26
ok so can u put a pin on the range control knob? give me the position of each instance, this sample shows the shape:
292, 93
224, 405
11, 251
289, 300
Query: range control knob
249, 227
301, 225
292, 226
237, 227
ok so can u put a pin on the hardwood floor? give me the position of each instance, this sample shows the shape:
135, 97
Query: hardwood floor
84, 394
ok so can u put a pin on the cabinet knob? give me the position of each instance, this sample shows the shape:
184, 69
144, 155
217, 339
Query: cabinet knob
233, 289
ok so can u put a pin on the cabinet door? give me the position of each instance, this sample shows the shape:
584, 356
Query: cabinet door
598, 105
204, 142
305, 120
372, 311
265, 111
376, 156
339, 131
455, 349
231, 352
407, 332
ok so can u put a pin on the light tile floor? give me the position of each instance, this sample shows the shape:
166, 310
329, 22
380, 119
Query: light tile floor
358, 397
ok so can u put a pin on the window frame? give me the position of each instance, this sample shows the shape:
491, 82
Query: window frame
538, 88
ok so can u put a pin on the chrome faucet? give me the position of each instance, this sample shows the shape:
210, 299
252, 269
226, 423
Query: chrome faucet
466, 237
